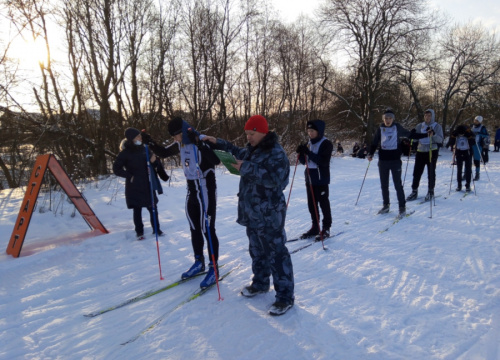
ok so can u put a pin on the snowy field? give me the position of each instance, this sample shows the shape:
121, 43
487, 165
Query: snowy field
427, 288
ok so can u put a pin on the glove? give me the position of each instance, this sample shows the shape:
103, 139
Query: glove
302, 149
146, 138
161, 172
192, 136
430, 131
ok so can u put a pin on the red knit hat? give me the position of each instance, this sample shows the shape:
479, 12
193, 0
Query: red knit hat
257, 123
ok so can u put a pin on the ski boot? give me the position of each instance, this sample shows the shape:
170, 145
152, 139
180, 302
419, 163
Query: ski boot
384, 210
210, 279
195, 269
412, 196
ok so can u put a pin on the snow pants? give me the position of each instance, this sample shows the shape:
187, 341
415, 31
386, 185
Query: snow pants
195, 212
270, 256
321, 198
421, 161
385, 167
464, 160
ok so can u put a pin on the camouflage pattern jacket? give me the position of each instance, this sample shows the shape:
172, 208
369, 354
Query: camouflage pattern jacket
264, 176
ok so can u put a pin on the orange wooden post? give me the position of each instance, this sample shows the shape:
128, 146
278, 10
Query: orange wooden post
42, 163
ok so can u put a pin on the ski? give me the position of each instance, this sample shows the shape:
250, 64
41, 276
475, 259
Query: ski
396, 220
426, 201
466, 193
144, 295
199, 292
301, 238
313, 242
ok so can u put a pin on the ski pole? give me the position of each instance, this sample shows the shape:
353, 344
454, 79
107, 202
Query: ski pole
153, 205
473, 182
207, 223
407, 162
452, 164
484, 164
431, 168
314, 202
293, 178
366, 172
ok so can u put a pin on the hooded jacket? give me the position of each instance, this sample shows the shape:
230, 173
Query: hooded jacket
131, 164
318, 158
264, 175
191, 155
435, 140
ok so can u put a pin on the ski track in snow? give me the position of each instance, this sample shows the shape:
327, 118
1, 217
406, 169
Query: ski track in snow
424, 289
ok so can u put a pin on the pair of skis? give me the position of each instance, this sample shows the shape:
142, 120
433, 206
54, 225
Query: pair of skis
310, 243
144, 295
196, 294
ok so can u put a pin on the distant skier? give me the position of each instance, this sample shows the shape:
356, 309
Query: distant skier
463, 140
201, 192
481, 135
497, 140
388, 139
317, 152
131, 164
355, 150
340, 149
429, 134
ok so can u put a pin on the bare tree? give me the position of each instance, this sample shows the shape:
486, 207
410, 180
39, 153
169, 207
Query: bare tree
470, 62
372, 31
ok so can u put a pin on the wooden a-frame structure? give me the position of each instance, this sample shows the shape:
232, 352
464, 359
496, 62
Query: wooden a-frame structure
42, 163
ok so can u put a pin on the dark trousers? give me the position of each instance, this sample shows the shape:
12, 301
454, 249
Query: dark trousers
421, 161
270, 256
195, 212
321, 198
391, 166
464, 159
139, 226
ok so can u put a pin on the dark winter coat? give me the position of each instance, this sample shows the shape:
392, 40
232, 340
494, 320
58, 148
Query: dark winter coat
320, 174
384, 154
264, 175
204, 156
131, 164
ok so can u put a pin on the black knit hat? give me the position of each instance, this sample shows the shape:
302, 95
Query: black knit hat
131, 133
175, 126
390, 113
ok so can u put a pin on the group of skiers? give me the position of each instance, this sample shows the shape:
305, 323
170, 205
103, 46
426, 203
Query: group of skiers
264, 171
468, 143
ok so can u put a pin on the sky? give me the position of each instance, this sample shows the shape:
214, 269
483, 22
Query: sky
486, 12
425, 289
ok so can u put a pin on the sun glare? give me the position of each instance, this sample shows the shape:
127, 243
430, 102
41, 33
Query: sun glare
29, 53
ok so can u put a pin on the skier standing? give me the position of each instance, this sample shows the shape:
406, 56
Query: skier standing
429, 135
317, 152
198, 162
388, 138
481, 135
463, 140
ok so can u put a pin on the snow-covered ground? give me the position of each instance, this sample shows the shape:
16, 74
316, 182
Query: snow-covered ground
424, 289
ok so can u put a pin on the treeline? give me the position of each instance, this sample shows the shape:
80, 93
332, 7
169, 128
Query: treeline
216, 63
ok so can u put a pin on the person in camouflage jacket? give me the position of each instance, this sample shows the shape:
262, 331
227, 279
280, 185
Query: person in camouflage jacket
264, 170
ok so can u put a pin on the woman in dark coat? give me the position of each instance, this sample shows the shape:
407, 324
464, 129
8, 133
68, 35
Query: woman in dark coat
131, 164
